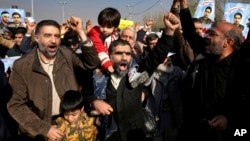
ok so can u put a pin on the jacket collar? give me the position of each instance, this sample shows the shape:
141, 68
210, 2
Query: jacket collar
57, 63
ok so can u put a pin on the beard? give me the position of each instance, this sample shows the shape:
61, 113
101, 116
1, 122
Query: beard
46, 52
166, 68
118, 71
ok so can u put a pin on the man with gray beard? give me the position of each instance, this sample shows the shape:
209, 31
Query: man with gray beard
163, 99
122, 102
41, 77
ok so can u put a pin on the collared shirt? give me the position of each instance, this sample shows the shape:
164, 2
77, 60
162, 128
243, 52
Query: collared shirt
48, 67
115, 80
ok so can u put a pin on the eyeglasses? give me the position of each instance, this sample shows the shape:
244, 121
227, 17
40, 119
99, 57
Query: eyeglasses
214, 34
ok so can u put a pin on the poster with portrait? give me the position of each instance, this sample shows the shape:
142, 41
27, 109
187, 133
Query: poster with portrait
12, 10
238, 14
205, 11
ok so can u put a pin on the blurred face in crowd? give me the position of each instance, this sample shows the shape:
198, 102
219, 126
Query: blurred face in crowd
152, 43
73, 46
167, 66
48, 40
29, 20
107, 30
198, 28
73, 116
128, 34
26, 21
137, 49
121, 59
18, 38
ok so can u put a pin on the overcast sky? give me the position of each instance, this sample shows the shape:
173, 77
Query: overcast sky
88, 9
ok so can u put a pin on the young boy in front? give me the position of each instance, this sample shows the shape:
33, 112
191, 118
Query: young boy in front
73, 120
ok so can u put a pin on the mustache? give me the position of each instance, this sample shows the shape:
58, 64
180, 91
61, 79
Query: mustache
123, 62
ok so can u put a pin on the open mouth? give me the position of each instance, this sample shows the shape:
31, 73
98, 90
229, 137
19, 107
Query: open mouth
123, 66
52, 48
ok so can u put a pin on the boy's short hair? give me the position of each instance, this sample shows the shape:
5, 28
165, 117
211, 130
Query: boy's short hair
109, 17
71, 100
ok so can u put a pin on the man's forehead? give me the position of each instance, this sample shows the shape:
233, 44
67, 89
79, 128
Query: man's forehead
122, 48
214, 30
49, 29
221, 27
127, 31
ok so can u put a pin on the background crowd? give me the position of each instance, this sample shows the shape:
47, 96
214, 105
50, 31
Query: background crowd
74, 81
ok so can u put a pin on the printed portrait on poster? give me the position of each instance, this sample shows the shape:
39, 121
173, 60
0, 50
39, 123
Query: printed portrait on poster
18, 21
12, 10
238, 14
205, 12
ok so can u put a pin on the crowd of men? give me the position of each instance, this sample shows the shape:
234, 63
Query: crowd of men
195, 84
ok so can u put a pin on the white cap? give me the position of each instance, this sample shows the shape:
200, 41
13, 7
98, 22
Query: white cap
170, 54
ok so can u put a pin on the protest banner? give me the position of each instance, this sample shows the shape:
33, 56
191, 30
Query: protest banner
125, 23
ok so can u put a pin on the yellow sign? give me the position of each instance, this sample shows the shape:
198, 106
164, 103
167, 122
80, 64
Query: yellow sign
125, 23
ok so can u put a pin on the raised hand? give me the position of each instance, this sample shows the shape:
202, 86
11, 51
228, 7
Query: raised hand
148, 24
31, 27
75, 23
171, 23
89, 25
137, 26
64, 28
